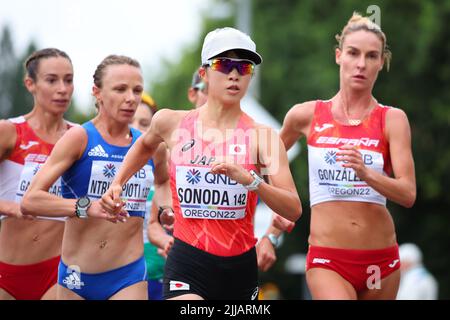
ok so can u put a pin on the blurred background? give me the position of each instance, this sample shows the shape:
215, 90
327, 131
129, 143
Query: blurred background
296, 39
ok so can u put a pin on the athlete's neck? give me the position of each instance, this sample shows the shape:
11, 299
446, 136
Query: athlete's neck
220, 116
356, 101
113, 132
45, 122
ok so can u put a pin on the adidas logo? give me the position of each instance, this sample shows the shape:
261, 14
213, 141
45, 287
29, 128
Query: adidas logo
73, 281
98, 151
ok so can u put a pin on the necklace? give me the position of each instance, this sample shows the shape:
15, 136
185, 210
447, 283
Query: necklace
354, 122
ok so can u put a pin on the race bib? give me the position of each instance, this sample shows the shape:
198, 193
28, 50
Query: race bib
204, 195
135, 191
28, 172
340, 181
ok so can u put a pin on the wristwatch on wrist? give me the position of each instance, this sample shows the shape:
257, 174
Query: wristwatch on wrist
161, 210
273, 239
255, 184
81, 207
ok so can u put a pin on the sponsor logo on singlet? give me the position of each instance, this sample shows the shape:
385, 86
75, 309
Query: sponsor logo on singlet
323, 127
204, 195
98, 151
28, 145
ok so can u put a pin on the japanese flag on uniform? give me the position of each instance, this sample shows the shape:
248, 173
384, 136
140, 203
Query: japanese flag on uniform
238, 149
178, 285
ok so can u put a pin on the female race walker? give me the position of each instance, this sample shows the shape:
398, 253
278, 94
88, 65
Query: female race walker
30, 249
100, 260
359, 154
217, 156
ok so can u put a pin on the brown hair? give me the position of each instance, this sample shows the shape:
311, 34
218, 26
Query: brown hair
31, 64
112, 60
358, 22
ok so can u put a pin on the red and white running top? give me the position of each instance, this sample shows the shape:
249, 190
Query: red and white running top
328, 180
29, 154
212, 212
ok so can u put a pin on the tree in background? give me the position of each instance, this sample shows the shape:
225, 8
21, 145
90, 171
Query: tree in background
8, 60
15, 99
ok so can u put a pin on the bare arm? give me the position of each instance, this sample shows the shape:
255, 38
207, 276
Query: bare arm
265, 250
138, 155
280, 195
37, 200
402, 187
8, 138
163, 194
296, 123
156, 233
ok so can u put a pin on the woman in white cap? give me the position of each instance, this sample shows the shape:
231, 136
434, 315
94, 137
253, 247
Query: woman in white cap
359, 154
218, 154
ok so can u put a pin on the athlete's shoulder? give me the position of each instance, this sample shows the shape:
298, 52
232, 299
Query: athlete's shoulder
167, 119
304, 107
75, 132
7, 134
169, 115
394, 114
300, 114
6, 126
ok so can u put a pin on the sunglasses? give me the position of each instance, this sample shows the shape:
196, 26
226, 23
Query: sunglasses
226, 65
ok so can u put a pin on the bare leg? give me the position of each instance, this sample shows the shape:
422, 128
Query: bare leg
66, 294
5, 295
388, 289
326, 284
50, 294
137, 291
189, 296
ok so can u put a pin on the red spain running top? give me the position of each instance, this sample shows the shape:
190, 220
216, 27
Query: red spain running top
328, 180
29, 154
212, 212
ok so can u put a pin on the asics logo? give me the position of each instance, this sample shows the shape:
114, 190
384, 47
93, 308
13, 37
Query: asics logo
394, 263
323, 127
29, 145
98, 151
255, 293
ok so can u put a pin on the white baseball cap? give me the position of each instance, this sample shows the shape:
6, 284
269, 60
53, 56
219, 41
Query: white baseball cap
225, 39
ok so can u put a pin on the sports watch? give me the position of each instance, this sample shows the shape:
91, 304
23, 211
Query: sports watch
81, 207
273, 239
255, 184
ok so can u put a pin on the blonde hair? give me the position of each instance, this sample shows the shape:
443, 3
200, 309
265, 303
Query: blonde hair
358, 22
